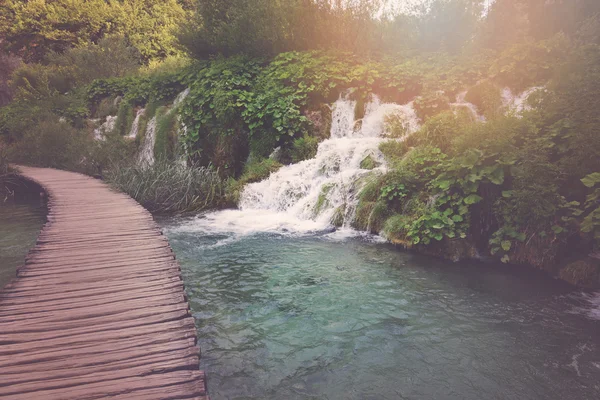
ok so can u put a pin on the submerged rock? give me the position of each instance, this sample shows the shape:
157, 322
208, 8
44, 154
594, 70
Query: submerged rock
583, 273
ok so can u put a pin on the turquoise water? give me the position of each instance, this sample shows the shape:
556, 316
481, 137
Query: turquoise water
20, 224
315, 317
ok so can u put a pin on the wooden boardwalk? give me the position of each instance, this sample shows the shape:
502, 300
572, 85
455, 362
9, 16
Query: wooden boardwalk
98, 310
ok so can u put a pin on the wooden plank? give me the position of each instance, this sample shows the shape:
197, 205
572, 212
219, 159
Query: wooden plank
137, 344
34, 307
17, 332
106, 367
98, 310
103, 389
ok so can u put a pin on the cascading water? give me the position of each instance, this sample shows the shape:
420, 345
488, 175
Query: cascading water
181, 97
146, 154
518, 103
107, 127
307, 196
136, 124
461, 103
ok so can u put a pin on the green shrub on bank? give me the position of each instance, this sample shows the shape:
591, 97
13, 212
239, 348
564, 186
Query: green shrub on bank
430, 104
304, 148
53, 144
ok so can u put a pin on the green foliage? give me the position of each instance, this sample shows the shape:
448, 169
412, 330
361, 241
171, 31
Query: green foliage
369, 163
529, 63
32, 29
487, 97
338, 217
111, 57
393, 150
395, 126
322, 199
430, 104
51, 144
304, 148
124, 118
166, 129
438, 131
591, 220
253, 172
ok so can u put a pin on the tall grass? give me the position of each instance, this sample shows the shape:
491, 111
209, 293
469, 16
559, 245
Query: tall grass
7, 176
166, 187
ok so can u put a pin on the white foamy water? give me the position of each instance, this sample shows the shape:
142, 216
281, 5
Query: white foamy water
135, 127
181, 97
461, 103
107, 127
594, 302
146, 155
306, 197
518, 103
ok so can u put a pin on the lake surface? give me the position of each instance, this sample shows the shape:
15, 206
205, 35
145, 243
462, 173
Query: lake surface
20, 224
323, 316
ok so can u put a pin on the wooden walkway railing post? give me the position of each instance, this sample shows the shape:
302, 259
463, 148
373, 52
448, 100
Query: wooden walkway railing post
98, 310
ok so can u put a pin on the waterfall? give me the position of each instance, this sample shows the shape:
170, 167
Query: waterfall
307, 196
518, 103
136, 124
107, 127
146, 156
180, 97
471, 108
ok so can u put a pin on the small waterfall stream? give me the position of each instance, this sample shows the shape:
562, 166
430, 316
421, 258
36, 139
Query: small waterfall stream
517, 103
461, 103
107, 127
146, 153
135, 127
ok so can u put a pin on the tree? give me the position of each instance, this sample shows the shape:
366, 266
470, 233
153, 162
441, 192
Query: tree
32, 29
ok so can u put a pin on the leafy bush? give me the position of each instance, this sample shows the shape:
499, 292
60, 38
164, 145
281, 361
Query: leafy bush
52, 144
166, 134
486, 96
437, 131
304, 148
430, 104
529, 63
124, 118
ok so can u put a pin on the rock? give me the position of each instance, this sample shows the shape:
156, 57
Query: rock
320, 121
369, 163
582, 273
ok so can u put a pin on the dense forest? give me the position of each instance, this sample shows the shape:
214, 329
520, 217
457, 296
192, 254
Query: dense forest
226, 83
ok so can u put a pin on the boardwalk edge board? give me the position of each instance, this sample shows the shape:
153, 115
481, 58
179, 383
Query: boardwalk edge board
98, 310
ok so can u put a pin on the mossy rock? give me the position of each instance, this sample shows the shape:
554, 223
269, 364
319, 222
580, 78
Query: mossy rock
304, 148
338, 217
322, 199
369, 163
320, 122
582, 273
450, 249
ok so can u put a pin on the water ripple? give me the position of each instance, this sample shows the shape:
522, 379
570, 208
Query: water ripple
308, 317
